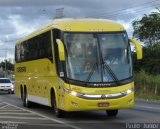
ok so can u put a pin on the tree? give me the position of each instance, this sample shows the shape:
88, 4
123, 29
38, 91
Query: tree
147, 29
151, 60
9, 66
1, 72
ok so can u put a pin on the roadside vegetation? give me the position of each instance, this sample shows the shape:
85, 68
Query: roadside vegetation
147, 70
147, 86
6, 68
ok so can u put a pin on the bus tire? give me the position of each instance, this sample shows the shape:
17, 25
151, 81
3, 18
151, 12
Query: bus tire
21, 91
59, 113
112, 113
26, 102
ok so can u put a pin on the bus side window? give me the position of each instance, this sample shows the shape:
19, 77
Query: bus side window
47, 45
59, 64
17, 56
40, 47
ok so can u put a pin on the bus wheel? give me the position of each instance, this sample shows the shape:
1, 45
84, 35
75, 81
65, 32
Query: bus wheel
112, 113
26, 102
59, 113
21, 91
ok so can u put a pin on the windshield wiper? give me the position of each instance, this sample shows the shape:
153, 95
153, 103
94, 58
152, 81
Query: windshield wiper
110, 71
92, 70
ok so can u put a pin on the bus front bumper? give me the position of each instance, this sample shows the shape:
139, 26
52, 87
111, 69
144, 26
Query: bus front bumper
74, 103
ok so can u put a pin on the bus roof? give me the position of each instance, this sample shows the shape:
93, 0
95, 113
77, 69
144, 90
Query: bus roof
78, 25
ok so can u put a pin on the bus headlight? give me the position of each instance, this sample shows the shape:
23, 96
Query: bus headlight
128, 91
72, 92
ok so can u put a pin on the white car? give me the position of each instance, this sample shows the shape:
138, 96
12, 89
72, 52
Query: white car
6, 85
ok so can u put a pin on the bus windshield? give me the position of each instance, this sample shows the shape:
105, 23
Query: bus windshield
97, 57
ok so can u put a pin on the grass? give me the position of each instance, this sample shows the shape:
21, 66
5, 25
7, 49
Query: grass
147, 86
147, 97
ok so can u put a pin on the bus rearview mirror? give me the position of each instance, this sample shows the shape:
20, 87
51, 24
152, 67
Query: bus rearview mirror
60, 50
138, 48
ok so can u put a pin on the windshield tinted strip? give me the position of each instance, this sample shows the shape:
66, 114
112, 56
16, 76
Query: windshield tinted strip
99, 84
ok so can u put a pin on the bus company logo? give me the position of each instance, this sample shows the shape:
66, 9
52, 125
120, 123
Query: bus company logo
21, 69
103, 96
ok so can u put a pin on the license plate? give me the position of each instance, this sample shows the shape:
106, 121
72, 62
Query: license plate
103, 104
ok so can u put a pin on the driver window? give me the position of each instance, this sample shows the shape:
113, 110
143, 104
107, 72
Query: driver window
113, 49
82, 53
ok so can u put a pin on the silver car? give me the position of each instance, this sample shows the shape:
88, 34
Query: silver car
6, 85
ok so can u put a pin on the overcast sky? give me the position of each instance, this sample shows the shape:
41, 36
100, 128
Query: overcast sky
19, 18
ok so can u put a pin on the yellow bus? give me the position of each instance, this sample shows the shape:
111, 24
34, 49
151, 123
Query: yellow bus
76, 65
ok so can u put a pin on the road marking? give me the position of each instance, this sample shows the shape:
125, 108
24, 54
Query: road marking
25, 123
9, 110
10, 113
51, 119
3, 106
12, 122
146, 107
48, 125
27, 118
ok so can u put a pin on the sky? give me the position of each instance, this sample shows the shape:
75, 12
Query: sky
18, 18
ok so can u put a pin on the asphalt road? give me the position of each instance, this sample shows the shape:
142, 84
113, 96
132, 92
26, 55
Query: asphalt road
14, 116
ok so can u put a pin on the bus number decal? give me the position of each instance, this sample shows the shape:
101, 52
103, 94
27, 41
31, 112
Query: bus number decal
21, 69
